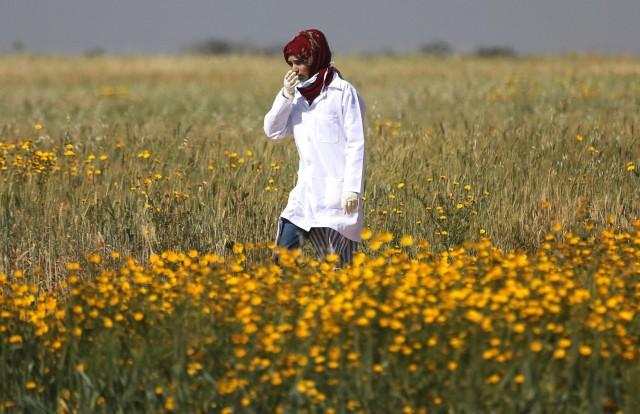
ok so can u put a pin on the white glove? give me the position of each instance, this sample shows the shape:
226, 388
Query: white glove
349, 202
290, 82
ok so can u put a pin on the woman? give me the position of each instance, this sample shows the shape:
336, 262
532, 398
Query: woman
325, 114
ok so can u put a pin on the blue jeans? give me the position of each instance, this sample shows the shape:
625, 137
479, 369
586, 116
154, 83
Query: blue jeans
291, 236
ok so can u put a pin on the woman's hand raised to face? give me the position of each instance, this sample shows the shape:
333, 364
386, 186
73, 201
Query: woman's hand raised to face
290, 82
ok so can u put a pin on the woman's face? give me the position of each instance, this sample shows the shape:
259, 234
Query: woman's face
301, 66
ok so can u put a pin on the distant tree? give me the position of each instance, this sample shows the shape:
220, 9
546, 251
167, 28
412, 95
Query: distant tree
216, 46
275, 49
17, 46
495, 51
94, 52
213, 46
384, 52
436, 48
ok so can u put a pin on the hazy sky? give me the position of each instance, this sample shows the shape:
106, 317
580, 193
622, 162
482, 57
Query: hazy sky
529, 26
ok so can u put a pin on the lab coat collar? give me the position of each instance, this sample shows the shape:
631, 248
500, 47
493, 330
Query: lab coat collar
336, 83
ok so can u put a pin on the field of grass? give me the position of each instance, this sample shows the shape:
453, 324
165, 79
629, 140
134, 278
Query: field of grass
138, 197
169, 153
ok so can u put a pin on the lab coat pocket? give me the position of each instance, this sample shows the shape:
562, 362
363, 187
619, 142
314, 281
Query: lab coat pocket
327, 128
326, 192
333, 193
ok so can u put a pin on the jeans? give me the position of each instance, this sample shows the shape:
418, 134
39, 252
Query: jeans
291, 236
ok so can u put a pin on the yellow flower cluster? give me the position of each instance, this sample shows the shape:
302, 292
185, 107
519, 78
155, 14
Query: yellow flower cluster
27, 160
199, 331
236, 160
112, 91
24, 159
386, 127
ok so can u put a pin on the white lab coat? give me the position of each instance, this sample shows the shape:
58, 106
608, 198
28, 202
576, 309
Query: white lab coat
329, 135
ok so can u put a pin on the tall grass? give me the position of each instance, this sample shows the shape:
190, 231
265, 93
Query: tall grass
456, 147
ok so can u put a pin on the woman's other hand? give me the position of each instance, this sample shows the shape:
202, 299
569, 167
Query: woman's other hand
349, 202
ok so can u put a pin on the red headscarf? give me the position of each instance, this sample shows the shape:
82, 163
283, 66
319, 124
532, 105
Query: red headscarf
312, 43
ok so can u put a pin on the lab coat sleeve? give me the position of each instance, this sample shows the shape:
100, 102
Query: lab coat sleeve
277, 122
353, 111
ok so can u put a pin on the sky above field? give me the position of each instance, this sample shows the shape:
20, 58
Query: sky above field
166, 26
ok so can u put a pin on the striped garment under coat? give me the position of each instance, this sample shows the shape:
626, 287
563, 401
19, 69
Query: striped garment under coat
326, 241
